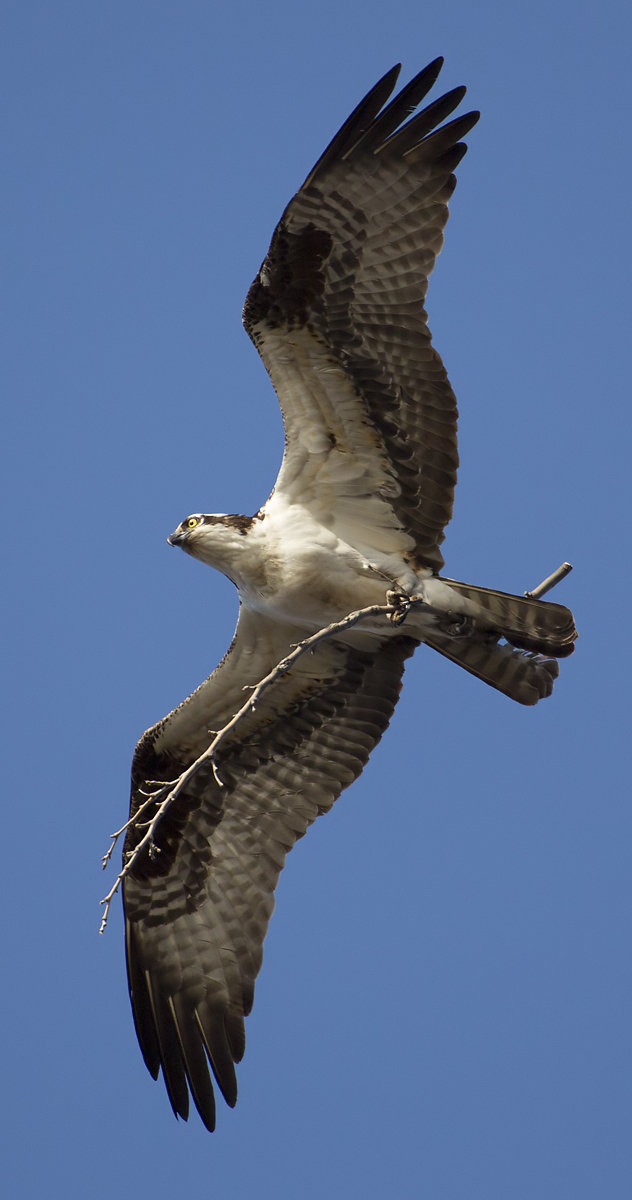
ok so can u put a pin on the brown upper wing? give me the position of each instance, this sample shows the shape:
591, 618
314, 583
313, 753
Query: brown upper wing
197, 910
337, 315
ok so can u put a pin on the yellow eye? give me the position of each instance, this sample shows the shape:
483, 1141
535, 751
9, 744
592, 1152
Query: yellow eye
191, 522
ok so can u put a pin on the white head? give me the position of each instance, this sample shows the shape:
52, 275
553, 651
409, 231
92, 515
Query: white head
218, 539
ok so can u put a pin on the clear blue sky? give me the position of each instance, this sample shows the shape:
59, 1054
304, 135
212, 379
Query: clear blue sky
444, 1007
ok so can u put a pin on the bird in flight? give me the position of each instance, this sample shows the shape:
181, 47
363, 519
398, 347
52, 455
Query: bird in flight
358, 510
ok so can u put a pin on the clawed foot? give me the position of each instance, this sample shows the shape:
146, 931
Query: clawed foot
457, 625
400, 602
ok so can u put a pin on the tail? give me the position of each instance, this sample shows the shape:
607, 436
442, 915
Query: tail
537, 632
524, 677
524, 622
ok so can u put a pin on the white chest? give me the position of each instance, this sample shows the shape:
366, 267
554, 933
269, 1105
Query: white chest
311, 575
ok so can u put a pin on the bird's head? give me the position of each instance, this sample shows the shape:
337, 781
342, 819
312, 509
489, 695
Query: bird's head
216, 538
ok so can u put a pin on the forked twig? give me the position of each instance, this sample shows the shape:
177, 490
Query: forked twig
167, 793
396, 610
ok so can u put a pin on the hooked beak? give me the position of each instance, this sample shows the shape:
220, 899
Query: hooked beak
178, 537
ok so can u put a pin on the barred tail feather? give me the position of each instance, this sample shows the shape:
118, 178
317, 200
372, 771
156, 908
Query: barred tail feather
527, 623
524, 677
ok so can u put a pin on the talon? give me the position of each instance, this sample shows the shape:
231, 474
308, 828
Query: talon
400, 601
459, 626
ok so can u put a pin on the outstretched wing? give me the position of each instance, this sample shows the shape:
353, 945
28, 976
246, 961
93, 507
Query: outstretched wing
197, 910
336, 313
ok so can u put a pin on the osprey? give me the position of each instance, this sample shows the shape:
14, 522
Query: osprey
358, 511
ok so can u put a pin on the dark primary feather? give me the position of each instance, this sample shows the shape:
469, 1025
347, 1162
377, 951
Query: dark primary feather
370, 123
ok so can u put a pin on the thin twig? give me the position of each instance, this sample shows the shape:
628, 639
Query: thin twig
166, 794
132, 821
396, 610
146, 842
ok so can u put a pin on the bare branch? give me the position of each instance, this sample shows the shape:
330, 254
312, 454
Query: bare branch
165, 794
550, 581
395, 610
